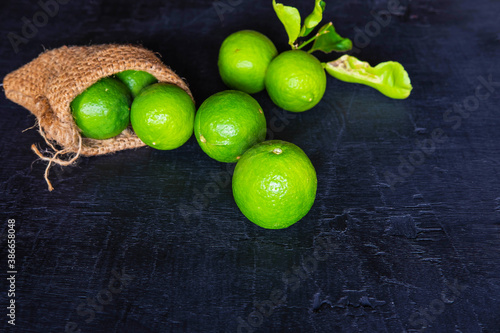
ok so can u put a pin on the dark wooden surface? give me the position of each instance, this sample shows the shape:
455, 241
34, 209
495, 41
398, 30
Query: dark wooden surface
420, 255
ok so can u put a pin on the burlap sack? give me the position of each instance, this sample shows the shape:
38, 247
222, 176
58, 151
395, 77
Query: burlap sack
47, 85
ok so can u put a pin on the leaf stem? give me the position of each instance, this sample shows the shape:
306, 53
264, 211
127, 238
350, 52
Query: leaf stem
311, 40
307, 41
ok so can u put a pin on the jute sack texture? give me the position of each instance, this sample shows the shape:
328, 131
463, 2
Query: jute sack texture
47, 85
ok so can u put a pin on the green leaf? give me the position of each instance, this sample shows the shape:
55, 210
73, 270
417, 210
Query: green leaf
390, 78
290, 17
329, 40
313, 19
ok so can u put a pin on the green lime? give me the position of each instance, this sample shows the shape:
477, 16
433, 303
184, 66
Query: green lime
136, 80
162, 116
274, 184
228, 123
102, 111
243, 60
295, 81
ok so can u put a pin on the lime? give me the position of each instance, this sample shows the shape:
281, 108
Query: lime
102, 111
243, 60
274, 184
162, 116
136, 80
228, 123
295, 81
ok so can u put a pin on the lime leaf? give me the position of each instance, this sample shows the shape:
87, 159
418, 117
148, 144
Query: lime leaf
329, 40
390, 78
290, 17
313, 19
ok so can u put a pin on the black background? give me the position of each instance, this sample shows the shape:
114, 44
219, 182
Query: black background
420, 256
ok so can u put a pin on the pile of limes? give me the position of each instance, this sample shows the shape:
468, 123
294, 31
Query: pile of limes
274, 182
248, 61
161, 114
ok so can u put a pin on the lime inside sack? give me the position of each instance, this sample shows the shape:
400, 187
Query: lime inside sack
136, 80
162, 116
102, 111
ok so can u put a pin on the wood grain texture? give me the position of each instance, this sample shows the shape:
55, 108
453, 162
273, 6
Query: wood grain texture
423, 255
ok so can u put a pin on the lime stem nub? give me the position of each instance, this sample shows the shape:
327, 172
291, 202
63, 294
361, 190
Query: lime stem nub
277, 151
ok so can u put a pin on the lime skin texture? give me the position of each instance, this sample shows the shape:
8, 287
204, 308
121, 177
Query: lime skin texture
102, 111
295, 81
136, 80
228, 123
243, 60
274, 184
162, 116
